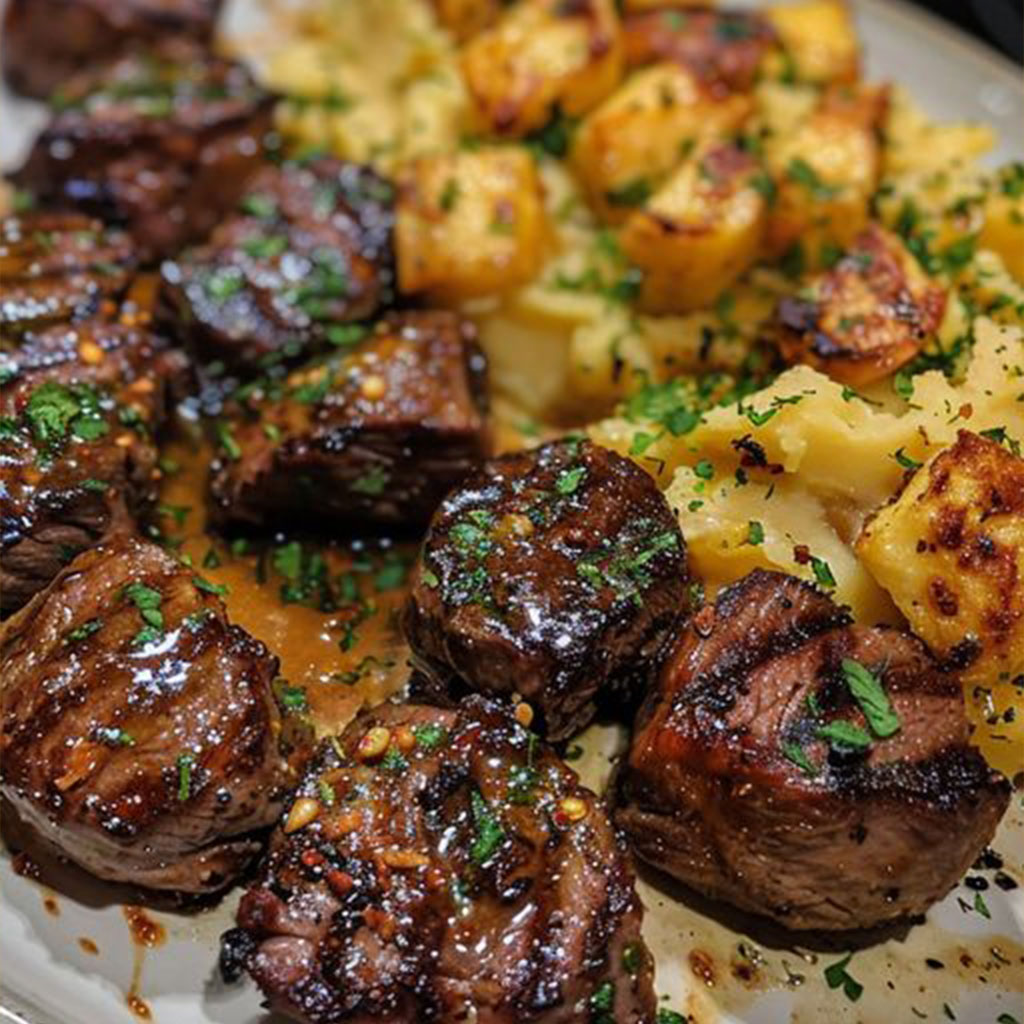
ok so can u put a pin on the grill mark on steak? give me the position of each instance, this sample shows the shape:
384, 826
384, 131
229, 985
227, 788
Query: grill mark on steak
309, 251
161, 142
138, 723
58, 267
79, 407
555, 574
441, 877
375, 435
38, 57
714, 792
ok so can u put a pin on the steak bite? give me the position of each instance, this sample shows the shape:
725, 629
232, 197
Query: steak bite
46, 42
162, 142
58, 267
79, 405
374, 434
138, 723
443, 865
555, 575
805, 768
308, 251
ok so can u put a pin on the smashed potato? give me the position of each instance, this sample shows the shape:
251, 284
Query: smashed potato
819, 38
950, 550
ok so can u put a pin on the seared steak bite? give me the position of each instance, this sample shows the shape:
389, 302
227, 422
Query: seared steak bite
162, 142
45, 42
375, 434
78, 408
723, 48
444, 866
138, 723
555, 575
307, 252
57, 267
805, 768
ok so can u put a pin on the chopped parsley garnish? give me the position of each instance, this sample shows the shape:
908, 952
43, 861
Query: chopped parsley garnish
489, 834
185, 763
291, 698
822, 572
449, 195
265, 247
429, 736
147, 601
634, 957
837, 976
258, 205
795, 752
632, 193
113, 736
981, 907
704, 470
223, 283
868, 692
569, 479
905, 460
344, 335
53, 410
394, 762
666, 1016
801, 172
218, 589
844, 735
373, 481
228, 442
326, 792
83, 632
755, 533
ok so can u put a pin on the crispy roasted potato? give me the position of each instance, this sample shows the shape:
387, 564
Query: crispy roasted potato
724, 48
1004, 218
465, 18
867, 316
950, 551
635, 139
825, 173
541, 58
469, 223
699, 232
819, 38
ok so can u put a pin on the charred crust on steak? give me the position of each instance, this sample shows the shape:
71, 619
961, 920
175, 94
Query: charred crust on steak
38, 57
161, 142
435, 861
80, 405
131, 708
307, 251
740, 782
555, 575
373, 435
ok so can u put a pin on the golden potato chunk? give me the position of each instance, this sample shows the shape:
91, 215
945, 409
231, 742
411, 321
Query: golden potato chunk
636, 138
1004, 219
867, 316
724, 48
820, 39
469, 223
699, 233
950, 551
542, 57
825, 172
465, 18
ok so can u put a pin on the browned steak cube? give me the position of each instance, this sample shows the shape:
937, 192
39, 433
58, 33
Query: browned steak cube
307, 252
444, 866
79, 405
139, 728
57, 267
555, 575
162, 142
46, 42
805, 768
373, 435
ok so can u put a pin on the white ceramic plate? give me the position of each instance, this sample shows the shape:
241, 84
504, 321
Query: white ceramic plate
758, 975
